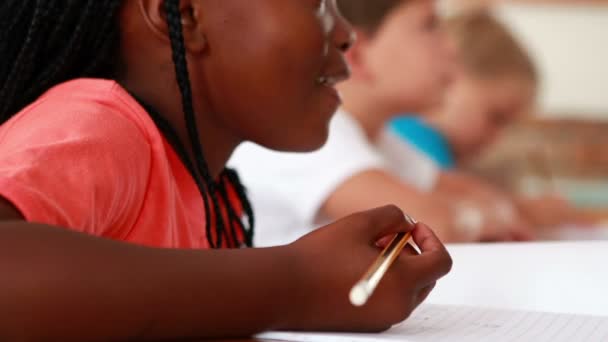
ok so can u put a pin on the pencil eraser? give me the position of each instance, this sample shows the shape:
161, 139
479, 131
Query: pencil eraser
359, 295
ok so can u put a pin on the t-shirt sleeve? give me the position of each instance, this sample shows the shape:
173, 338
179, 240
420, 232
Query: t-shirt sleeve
416, 168
306, 180
424, 174
83, 167
407, 162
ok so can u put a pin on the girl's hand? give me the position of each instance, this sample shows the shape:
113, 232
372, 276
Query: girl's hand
332, 259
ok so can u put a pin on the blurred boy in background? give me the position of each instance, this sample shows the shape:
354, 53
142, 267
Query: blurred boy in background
494, 84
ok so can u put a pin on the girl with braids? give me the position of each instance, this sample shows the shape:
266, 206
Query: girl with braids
116, 212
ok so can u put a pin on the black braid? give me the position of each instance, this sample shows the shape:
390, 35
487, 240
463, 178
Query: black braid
46, 42
180, 149
24, 60
105, 40
234, 221
7, 26
183, 80
231, 177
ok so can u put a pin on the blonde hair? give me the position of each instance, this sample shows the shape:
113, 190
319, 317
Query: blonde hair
487, 48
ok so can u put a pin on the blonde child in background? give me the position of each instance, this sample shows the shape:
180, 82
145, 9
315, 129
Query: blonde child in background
401, 62
495, 83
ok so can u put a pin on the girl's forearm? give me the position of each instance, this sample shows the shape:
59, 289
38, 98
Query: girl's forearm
60, 285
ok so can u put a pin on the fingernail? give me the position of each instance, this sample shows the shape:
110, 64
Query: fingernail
383, 242
410, 220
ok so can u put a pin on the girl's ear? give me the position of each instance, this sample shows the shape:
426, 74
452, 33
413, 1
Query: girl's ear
357, 56
155, 16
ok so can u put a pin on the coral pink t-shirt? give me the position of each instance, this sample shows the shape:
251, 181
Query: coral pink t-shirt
88, 157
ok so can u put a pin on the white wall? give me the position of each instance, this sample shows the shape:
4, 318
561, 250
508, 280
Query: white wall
570, 45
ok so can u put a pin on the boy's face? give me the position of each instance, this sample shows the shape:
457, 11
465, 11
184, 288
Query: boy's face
407, 60
477, 110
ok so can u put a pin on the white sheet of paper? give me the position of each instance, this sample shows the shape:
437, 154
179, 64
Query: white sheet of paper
464, 324
560, 277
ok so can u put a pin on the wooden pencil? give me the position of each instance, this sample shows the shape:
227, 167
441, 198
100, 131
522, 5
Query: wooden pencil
364, 288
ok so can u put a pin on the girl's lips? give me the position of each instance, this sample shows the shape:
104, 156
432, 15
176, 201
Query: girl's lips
331, 79
334, 93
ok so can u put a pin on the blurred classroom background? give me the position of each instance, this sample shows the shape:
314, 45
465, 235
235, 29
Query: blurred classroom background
562, 146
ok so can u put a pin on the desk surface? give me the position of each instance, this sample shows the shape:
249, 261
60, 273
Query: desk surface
568, 277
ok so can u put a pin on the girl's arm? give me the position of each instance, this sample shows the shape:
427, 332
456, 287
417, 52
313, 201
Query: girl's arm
64, 286
61, 285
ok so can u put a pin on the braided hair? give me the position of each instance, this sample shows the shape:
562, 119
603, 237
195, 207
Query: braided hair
46, 42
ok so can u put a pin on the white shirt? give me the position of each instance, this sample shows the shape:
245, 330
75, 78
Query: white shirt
288, 189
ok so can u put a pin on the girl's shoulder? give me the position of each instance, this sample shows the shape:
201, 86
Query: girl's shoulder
81, 107
85, 138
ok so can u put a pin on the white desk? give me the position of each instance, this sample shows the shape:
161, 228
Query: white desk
568, 277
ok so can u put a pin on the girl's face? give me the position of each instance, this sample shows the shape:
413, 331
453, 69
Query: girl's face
269, 69
477, 110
